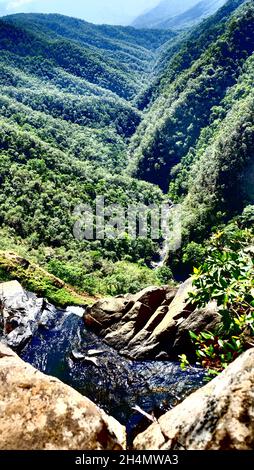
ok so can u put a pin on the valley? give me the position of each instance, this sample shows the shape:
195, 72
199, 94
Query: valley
157, 114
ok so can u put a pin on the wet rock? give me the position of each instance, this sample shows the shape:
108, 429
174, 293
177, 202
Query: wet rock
41, 413
219, 416
20, 312
95, 352
49, 315
77, 356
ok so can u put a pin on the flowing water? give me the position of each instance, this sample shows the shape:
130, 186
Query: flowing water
76, 356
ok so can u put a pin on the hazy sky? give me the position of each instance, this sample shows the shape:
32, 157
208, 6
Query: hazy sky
96, 11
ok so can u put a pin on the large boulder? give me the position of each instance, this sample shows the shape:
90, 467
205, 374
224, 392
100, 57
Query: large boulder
41, 413
219, 416
107, 312
179, 308
152, 324
204, 319
159, 332
120, 319
152, 296
20, 313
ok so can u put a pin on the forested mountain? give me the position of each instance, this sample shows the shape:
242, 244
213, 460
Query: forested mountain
134, 115
196, 139
177, 15
67, 112
114, 58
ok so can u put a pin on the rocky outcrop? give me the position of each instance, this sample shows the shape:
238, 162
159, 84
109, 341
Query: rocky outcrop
41, 413
21, 314
120, 319
219, 416
153, 324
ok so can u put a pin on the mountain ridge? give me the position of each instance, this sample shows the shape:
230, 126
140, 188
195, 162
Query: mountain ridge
168, 15
73, 126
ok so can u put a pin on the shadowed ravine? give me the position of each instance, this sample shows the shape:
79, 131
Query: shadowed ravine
115, 383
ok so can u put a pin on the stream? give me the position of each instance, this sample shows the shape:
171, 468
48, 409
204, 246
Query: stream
67, 350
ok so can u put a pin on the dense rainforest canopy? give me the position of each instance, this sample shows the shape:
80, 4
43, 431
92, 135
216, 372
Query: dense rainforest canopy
132, 114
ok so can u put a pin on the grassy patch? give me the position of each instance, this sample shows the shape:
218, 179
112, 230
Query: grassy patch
36, 279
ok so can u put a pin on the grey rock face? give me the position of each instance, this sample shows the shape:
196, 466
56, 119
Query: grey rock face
153, 323
21, 313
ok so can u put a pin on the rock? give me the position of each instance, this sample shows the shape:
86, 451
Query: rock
10, 289
137, 348
50, 315
41, 413
132, 322
219, 416
77, 356
154, 321
160, 331
151, 296
120, 337
20, 311
162, 356
170, 296
206, 319
119, 319
139, 313
179, 308
95, 352
106, 312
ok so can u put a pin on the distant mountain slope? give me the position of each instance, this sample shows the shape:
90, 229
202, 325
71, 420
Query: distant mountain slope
178, 14
116, 58
197, 137
69, 126
164, 10
192, 16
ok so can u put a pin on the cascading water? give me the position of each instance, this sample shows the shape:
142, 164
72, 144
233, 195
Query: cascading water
171, 233
75, 355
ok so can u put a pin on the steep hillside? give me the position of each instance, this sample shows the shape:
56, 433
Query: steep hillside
177, 15
116, 58
71, 130
189, 89
66, 117
215, 179
197, 139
